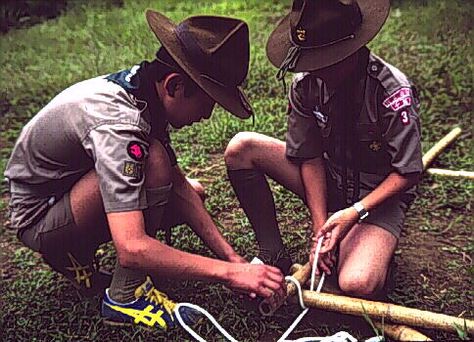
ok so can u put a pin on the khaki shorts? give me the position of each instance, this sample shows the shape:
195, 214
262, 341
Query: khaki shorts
390, 215
57, 228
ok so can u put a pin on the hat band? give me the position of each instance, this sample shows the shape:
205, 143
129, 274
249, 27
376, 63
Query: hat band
332, 42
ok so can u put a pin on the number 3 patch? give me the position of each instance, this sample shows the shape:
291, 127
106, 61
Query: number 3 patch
405, 117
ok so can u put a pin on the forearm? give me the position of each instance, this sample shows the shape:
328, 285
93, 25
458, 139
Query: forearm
198, 218
394, 184
172, 263
313, 176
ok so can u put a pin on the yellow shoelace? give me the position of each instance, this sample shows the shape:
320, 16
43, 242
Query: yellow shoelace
160, 298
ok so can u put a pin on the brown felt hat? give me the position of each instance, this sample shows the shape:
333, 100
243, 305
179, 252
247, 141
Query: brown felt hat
319, 33
213, 51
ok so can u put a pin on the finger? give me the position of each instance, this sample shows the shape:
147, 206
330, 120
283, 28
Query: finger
324, 267
275, 274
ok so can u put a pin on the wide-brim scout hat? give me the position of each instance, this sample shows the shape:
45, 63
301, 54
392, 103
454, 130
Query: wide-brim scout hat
319, 33
213, 51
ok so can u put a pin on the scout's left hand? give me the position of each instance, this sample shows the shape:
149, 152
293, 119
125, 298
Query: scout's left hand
336, 227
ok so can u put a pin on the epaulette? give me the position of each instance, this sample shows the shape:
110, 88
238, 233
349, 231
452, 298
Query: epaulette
389, 76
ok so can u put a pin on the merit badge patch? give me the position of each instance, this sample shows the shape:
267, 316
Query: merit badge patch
136, 151
133, 170
400, 99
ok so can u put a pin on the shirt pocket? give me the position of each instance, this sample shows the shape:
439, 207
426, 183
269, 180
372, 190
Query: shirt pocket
371, 149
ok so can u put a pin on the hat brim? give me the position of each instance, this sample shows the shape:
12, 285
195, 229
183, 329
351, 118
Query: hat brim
375, 13
228, 97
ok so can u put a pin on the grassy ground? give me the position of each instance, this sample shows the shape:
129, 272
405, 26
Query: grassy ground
431, 43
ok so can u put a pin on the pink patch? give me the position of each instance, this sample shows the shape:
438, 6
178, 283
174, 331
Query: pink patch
135, 151
398, 99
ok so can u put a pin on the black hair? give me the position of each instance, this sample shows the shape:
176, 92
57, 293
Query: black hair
167, 65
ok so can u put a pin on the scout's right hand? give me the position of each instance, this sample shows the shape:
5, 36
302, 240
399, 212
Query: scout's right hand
326, 260
263, 280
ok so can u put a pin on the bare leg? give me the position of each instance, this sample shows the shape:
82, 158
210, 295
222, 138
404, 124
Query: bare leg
249, 158
249, 150
364, 259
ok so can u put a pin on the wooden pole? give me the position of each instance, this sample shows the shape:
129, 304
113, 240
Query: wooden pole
450, 173
390, 312
440, 146
401, 332
395, 332
301, 275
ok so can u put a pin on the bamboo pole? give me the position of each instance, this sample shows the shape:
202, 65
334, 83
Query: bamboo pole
266, 308
391, 312
401, 332
395, 332
440, 146
451, 173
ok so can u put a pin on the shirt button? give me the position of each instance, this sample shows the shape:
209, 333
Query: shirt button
374, 68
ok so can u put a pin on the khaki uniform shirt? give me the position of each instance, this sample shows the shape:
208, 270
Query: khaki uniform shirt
366, 128
95, 124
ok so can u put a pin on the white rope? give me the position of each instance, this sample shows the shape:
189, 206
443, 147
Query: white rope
205, 313
341, 336
300, 296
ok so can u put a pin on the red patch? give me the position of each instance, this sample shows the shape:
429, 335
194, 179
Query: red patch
400, 99
405, 117
136, 151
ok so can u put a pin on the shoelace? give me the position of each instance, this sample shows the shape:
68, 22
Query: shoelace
157, 297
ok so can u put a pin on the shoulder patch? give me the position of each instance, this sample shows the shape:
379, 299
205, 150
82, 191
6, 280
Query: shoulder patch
400, 99
136, 150
133, 170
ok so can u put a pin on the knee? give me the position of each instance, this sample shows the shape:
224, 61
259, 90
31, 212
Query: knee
198, 187
158, 166
238, 153
360, 285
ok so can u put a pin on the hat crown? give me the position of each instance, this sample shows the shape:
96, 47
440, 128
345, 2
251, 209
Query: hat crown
213, 43
317, 23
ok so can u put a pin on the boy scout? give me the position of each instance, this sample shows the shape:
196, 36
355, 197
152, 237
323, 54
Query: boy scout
352, 146
96, 164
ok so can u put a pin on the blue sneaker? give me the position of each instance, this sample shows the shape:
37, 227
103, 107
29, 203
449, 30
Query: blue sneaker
151, 308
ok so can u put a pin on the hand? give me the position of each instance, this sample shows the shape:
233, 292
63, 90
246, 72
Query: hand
262, 280
326, 261
336, 227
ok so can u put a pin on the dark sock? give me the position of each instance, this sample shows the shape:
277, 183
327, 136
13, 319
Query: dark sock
126, 280
255, 196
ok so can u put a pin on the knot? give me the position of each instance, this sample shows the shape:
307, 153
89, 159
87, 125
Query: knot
289, 63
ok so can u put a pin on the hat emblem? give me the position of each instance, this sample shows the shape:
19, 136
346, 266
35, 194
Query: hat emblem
301, 34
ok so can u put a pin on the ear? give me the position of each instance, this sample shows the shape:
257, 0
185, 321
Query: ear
174, 84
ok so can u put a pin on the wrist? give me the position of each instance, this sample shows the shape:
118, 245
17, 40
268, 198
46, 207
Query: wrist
362, 213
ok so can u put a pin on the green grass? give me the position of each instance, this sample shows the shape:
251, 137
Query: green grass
432, 44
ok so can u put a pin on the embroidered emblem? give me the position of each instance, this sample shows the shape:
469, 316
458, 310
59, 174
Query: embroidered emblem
400, 99
136, 151
405, 118
301, 34
133, 170
320, 116
375, 146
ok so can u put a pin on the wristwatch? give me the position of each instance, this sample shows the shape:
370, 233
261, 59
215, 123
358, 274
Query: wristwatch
361, 211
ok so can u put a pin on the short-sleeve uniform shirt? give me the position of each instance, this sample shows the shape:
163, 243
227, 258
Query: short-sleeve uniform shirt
366, 128
95, 124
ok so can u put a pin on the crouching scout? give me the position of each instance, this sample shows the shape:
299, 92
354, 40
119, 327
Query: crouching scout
96, 164
352, 146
